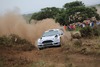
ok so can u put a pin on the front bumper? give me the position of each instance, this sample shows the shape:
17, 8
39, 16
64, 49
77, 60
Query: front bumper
49, 44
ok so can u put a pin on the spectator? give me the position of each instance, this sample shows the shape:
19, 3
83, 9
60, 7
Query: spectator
65, 27
71, 26
91, 24
98, 22
74, 26
83, 24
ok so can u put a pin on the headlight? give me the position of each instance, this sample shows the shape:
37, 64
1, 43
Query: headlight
56, 36
39, 41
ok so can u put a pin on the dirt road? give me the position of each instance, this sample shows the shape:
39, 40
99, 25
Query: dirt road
49, 57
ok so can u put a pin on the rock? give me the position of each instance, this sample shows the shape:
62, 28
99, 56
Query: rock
76, 35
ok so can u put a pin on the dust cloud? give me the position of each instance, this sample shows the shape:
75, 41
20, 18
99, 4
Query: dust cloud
14, 23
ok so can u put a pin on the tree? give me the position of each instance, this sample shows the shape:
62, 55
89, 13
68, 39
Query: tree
70, 13
46, 13
76, 12
73, 4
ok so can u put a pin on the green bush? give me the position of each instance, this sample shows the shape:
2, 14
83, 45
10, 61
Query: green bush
4, 40
96, 30
86, 31
89, 31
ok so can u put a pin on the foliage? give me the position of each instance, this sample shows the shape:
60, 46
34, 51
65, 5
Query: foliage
86, 31
96, 31
71, 12
77, 12
1, 62
73, 4
46, 13
89, 31
4, 40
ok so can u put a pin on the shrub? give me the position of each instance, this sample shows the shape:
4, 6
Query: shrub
12, 39
16, 43
1, 62
96, 30
15, 39
86, 31
89, 31
4, 40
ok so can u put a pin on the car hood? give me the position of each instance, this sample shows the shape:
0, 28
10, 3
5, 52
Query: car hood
46, 38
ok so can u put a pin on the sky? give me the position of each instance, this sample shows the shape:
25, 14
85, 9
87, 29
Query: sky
30, 6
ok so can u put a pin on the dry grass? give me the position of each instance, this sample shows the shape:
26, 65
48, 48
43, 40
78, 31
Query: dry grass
85, 54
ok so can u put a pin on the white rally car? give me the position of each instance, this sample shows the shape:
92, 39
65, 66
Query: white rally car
50, 38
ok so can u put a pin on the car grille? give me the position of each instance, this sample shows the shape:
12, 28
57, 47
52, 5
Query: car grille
47, 42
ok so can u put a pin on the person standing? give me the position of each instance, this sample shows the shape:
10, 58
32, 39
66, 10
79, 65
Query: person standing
65, 27
74, 26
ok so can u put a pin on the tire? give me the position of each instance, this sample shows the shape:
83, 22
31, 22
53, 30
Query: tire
40, 48
61, 42
59, 45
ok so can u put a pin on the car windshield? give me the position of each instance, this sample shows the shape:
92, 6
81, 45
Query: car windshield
50, 33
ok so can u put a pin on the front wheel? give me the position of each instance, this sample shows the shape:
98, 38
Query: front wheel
40, 48
61, 42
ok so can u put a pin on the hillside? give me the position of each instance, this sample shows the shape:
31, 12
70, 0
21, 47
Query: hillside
98, 8
27, 17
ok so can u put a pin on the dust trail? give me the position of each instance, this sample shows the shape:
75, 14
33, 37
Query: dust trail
14, 23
